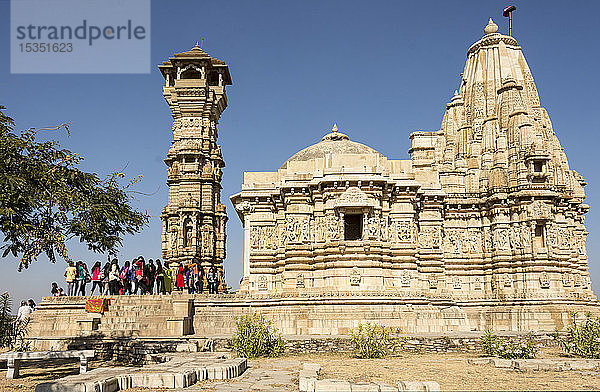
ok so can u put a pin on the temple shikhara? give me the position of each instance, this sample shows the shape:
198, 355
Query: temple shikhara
482, 228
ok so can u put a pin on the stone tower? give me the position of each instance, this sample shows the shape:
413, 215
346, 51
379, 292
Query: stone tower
194, 219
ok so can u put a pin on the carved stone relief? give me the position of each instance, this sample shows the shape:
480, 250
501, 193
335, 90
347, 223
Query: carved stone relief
262, 283
333, 228
539, 210
405, 278
263, 237
297, 229
456, 283
452, 241
404, 231
544, 280
515, 238
353, 197
487, 239
567, 280
300, 280
501, 241
429, 237
355, 277
526, 235
433, 282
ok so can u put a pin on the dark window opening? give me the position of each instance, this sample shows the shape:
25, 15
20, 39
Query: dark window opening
539, 236
213, 79
538, 166
191, 74
352, 227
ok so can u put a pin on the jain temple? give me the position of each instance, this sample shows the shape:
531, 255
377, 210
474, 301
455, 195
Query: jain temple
486, 209
483, 227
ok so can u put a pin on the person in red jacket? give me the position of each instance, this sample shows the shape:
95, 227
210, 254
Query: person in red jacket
180, 281
140, 276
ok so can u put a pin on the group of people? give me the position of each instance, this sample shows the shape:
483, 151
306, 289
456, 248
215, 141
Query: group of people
138, 276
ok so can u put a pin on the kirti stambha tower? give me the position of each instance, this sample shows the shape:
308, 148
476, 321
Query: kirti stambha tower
194, 219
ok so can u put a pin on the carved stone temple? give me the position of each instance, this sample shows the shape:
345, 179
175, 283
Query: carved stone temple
194, 219
482, 228
486, 210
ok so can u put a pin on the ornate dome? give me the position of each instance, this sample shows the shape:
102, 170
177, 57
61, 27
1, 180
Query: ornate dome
333, 143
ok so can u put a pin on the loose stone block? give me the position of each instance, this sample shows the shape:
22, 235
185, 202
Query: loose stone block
307, 384
412, 386
386, 388
480, 361
332, 386
502, 363
365, 387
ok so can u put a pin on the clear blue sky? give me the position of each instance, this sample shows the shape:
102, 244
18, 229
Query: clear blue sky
381, 69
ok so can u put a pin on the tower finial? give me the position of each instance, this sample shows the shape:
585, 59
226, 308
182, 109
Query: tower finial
335, 128
491, 27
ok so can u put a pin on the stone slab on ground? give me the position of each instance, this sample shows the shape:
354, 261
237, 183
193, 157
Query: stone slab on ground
279, 376
309, 382
179, 371
545, 364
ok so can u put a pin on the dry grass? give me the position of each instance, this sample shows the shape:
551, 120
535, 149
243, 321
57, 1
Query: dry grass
452, 372
35, 372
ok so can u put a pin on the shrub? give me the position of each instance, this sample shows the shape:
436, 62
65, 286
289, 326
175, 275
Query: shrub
256, 337
583, 339
521, 348
12, 332
370, 340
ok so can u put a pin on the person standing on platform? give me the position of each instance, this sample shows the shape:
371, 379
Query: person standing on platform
54, 290
70, 276
200, 277
96, 280
24, 311
131, 277
113, 278
169, 278
160, 278
179, 281
85, 277
79, 277
140, 270
150, 276
104, 275
212, 280
125, 278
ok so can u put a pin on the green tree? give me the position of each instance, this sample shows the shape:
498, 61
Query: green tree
45, 200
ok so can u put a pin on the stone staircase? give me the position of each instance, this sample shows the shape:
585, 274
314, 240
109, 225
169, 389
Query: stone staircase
127, 316
137, 316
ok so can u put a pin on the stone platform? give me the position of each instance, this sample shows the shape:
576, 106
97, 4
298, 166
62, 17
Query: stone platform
58, 322
178, 371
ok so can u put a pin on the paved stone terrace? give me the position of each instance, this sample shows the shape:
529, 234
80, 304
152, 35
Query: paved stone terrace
178, 371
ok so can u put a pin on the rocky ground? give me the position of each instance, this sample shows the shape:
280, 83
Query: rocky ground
450, 370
